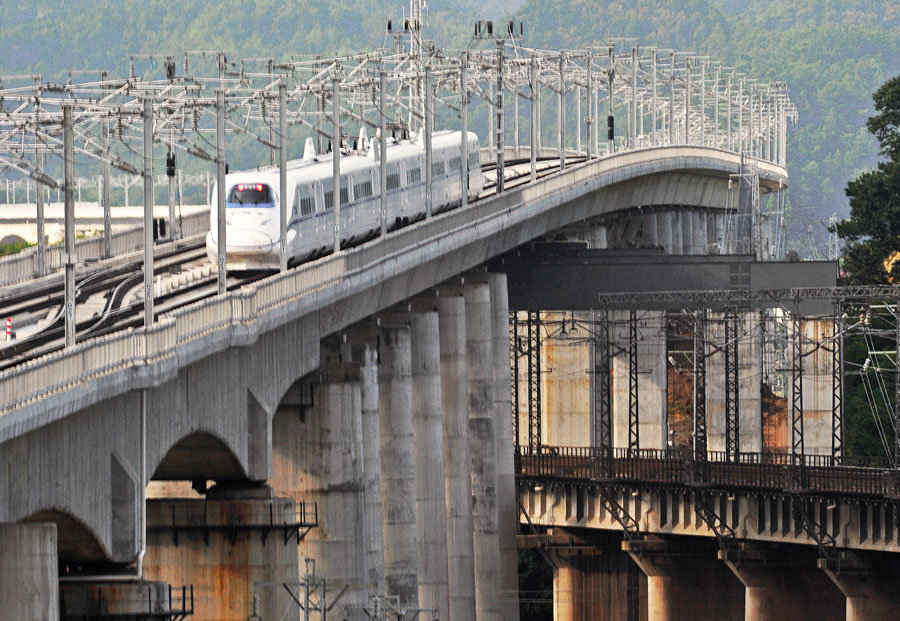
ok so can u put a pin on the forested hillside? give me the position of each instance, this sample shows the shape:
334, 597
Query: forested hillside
833, 55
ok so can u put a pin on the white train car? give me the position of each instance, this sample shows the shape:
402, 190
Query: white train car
252, 203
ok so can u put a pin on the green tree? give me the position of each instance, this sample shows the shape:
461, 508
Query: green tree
872, 233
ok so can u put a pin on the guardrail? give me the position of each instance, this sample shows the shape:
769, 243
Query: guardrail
314, 285
753, 471
22, 266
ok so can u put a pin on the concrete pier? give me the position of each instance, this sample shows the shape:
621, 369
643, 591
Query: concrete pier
479, 347
232, 546
688, 584
29, 587
787, 590
431, 523
373, 532
594, 585
507, 505
318, 458
398, 465
457, 481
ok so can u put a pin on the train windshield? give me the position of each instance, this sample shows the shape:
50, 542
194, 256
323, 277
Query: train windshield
255, 194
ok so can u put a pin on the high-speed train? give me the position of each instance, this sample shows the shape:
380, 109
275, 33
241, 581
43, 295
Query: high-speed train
252, 202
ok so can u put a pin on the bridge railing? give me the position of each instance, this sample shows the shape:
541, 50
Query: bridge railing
22, 266
670, 467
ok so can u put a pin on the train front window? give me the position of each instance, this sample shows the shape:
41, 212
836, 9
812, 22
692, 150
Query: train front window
256, 194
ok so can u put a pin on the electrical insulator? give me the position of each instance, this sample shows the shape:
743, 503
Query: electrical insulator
610, 127
170, 165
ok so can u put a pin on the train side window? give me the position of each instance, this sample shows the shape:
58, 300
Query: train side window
455, 163
328, 187
345, 191
437, 168
474, 161
392, 180
413, 175
304, 196
362, 190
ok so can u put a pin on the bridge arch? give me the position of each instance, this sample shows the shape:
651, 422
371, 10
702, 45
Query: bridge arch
199, 456
76, 542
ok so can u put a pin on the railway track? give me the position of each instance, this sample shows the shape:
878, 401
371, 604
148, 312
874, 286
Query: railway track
109, 299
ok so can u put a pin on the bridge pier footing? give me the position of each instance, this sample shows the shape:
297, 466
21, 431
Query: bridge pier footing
237, 545
686, 582
29, 587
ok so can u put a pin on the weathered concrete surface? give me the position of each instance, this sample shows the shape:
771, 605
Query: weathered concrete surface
457, 481
218, 546
318, 458
398, 465
29, 587
507, 503
750, 378
651, 379
431, 521
142, 600
482, 447
372, 529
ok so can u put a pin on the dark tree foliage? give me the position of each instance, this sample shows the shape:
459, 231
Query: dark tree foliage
872, 233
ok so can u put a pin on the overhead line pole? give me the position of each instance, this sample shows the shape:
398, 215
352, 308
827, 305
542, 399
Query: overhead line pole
220, 191
69, 208
282, 175
148, 212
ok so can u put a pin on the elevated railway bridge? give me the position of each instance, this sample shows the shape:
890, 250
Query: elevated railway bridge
339, 433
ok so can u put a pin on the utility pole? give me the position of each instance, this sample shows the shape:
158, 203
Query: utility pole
382, 150
336, 160
220, 189
499, 110
148, 212
562, 111
428, 129
282, 174
464, 110
589, 118
534, 116
69, 207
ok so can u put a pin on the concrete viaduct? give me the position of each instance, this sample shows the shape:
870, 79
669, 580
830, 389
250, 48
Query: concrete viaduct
366, 394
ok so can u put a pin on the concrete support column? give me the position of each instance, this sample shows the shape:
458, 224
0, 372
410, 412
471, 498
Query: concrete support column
371, 433
29, 587
782, 590
431, 531
507, 505
227, 547
479, 348
318, 457
688, 585
869, 596
457, 482
596, 585
398, 465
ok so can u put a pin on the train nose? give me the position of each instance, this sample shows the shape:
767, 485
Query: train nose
249, 240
